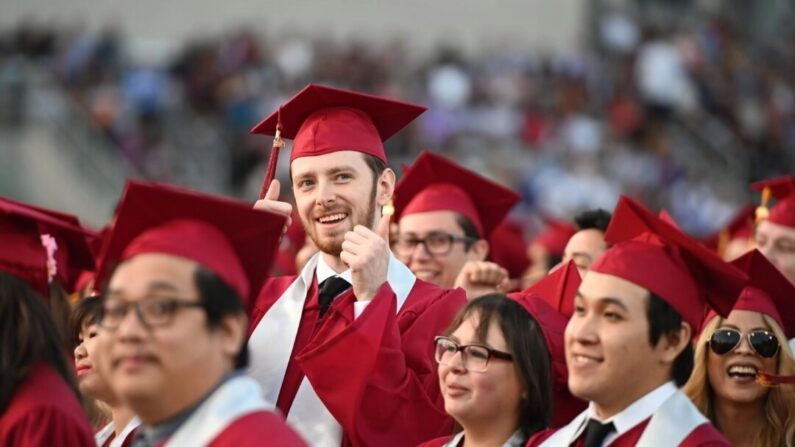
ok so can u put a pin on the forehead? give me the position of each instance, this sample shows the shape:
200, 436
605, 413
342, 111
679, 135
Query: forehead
746, 320
596, 286
467, 332
145, 271
773, 230
586, 240
429, 221
319, 164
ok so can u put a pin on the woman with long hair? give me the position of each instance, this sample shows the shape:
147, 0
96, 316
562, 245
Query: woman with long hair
494, 373
743, 362
101, 403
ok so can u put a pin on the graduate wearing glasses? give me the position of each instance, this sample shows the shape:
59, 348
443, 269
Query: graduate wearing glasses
734, 353
445, 215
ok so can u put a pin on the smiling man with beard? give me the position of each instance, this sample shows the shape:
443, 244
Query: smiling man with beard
345, 348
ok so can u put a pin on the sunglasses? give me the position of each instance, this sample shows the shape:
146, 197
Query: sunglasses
724, 341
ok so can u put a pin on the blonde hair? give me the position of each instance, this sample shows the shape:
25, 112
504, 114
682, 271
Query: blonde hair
779, 404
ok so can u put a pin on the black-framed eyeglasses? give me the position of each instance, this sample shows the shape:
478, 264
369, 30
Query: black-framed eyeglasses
436, 243
474, 358
726, 340
151, 312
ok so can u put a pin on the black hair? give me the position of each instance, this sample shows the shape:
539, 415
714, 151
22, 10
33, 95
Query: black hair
376, 165
220, 300
597, 219
28, 335
86, 312
664, 320
469, 230
531, 357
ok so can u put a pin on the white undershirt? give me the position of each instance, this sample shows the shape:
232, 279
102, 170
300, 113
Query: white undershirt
634, 414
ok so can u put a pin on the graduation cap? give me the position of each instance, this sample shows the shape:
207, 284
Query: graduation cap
783, 189
543, 300
322, 120
655, 255
434, 183
38, 245
555, 235
228, 237
508, 248
741, 226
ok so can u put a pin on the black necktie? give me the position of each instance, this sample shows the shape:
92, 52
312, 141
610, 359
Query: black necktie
329, 289
596, 432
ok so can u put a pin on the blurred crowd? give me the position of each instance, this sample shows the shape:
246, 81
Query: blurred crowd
568, 130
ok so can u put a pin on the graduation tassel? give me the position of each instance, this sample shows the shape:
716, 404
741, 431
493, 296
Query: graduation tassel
762, 211
772, 380
278, 143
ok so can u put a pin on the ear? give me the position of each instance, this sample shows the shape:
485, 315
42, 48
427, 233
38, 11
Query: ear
385, 187
233, 332
479, 250
672, 344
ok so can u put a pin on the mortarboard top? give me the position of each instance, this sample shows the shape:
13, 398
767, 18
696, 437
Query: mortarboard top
508, 248
655, 255
558, 288
783, 189
741, 226
323, 119
542, 300
36, 243
228, 237
434, 183
767, 291
555, 235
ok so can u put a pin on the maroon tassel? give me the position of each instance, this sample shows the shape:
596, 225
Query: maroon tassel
278, 143
771, 380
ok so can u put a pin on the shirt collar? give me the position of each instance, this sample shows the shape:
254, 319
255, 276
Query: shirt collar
635, 413
324, 271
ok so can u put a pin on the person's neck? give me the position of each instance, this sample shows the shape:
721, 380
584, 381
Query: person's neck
606, 410
121, 416
334, 262
738, 421
490, 433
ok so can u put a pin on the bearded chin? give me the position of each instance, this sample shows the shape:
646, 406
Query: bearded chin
333, 246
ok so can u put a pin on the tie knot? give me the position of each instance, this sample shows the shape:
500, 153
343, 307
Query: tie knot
333, 286
596, 432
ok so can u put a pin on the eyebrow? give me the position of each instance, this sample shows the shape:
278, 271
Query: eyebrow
580, 254
731, 326
152, 286
607, 300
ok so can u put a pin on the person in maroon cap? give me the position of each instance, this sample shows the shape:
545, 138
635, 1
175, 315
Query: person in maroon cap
445, 216
775, 230
732, 353
354, 362
628, 342
588, 243
546, 249
736, 237
176, 274
39, 400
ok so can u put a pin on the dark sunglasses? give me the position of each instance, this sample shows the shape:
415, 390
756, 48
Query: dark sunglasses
724, 341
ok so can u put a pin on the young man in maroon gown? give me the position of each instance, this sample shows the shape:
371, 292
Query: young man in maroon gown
177, 271
628, 344
345, 348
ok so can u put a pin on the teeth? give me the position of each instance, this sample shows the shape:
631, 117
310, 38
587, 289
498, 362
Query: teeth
332, 218
741, 370
582, 360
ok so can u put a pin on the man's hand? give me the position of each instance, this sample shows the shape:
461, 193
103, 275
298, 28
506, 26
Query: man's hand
271, 203
367, 254
479, 278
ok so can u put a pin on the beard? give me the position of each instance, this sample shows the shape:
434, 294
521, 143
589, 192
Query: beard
333, 244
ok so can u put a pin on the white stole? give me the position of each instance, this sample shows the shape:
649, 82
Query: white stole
272, 342
676, 418
234, 399
516, 440
102, 436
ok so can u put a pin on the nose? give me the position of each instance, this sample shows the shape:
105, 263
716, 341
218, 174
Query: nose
325, 194
80, 351
421, 252
581, 329
131, 326
456, 363
745, 346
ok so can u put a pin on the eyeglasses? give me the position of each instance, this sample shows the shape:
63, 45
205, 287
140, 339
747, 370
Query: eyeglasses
436, 243
475, 358
151, 312
724, 341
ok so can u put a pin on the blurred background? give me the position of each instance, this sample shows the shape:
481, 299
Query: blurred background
569, 102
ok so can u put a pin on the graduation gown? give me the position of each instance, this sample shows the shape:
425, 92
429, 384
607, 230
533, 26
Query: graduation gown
676, 423
235, 415
373, 376
44, 412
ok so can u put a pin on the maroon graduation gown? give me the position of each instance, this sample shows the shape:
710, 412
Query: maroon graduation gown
44, 412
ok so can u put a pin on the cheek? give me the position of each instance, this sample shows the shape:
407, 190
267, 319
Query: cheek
715, 368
